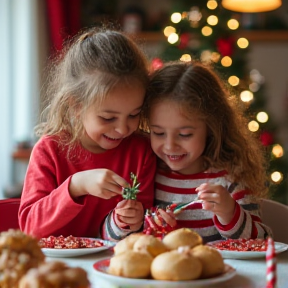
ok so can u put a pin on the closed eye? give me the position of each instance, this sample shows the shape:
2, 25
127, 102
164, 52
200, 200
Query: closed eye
158, 134
107, 119
135, 115
185, 135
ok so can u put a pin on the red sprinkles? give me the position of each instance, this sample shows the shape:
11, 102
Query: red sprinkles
258, 245
69, 242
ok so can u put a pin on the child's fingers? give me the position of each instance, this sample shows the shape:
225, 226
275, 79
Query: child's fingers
119, 181
168, 218
126, 212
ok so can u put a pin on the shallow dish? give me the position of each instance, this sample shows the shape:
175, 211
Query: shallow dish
228, 254
101, 268
53, 252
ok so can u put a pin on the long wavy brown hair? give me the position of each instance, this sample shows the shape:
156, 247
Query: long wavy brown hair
230, 145
82, 74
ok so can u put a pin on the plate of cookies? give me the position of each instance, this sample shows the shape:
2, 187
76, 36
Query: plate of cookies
71, 246
178, 260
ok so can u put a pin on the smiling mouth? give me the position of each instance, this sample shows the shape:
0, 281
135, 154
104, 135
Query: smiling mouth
112, 139
175, 157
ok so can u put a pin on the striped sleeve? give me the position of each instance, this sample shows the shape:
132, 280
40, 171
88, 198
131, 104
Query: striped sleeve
246, 222
110, 231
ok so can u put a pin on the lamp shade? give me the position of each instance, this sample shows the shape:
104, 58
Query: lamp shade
251, 6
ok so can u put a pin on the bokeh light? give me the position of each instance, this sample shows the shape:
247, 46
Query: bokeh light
169, 30
212, 4
185, 58
246, 96
277, 151
226, 61
253, 126
206, 31
233, 24
176, 17
242, 43
212, 20
173, 38
262, 117
233, 80
276, 177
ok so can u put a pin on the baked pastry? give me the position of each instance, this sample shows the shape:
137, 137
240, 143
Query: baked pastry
55, 274
131, 264
211, 259
18, 253
182, 237
149, 244
176, 265
127, 243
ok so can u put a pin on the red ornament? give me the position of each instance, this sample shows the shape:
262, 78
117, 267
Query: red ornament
156, 64
184, 40
225, 46
266, 138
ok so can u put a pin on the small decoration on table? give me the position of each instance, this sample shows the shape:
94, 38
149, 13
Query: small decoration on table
131, 192
154, 224
271, 264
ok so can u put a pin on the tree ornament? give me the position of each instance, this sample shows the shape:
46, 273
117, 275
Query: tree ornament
184, 40
156, 64
225, 46
266, 138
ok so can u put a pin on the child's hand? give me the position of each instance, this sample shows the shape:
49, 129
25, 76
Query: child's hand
168, 217
102, 183
129, 214
218, 200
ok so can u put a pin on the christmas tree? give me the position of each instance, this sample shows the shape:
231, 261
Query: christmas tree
207, 32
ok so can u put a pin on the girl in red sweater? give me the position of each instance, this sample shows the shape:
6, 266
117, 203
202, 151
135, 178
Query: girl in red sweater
88, 143
205, 151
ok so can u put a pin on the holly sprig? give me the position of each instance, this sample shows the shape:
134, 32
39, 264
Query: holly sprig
130, 193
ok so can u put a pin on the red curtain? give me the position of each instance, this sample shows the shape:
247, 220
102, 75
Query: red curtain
64, 20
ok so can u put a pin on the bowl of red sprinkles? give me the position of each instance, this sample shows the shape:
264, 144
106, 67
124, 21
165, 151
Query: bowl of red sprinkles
71, 246
245, 248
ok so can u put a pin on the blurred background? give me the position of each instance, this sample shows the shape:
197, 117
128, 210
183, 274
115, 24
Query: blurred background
248, 49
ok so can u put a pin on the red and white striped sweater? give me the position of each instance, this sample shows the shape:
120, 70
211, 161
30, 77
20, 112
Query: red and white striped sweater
177, 188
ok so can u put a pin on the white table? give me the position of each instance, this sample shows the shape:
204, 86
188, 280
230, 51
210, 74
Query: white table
250, 273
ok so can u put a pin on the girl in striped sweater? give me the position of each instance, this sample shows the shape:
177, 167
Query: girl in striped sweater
206, 152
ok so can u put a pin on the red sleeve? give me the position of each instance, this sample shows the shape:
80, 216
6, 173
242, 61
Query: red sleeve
42, 200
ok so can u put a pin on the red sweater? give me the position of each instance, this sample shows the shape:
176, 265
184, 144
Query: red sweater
46, 206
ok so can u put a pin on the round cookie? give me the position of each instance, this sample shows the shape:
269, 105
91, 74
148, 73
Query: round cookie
131, 264
127, 243
149, 244
176, 266
182, 237
18, 253
55, 274
211, 260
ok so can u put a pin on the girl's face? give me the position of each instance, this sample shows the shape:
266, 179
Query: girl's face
178, 140
117, 118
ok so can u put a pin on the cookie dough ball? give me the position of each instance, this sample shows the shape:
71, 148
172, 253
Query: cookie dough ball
131, 264
126, 243
18, 253
149, 244
211, 260
176, 266
55, 274
182, 237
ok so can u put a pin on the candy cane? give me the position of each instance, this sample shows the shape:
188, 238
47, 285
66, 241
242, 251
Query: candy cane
270, 264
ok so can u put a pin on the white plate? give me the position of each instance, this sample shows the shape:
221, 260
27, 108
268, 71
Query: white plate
101, 267
227, 254
53, 252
